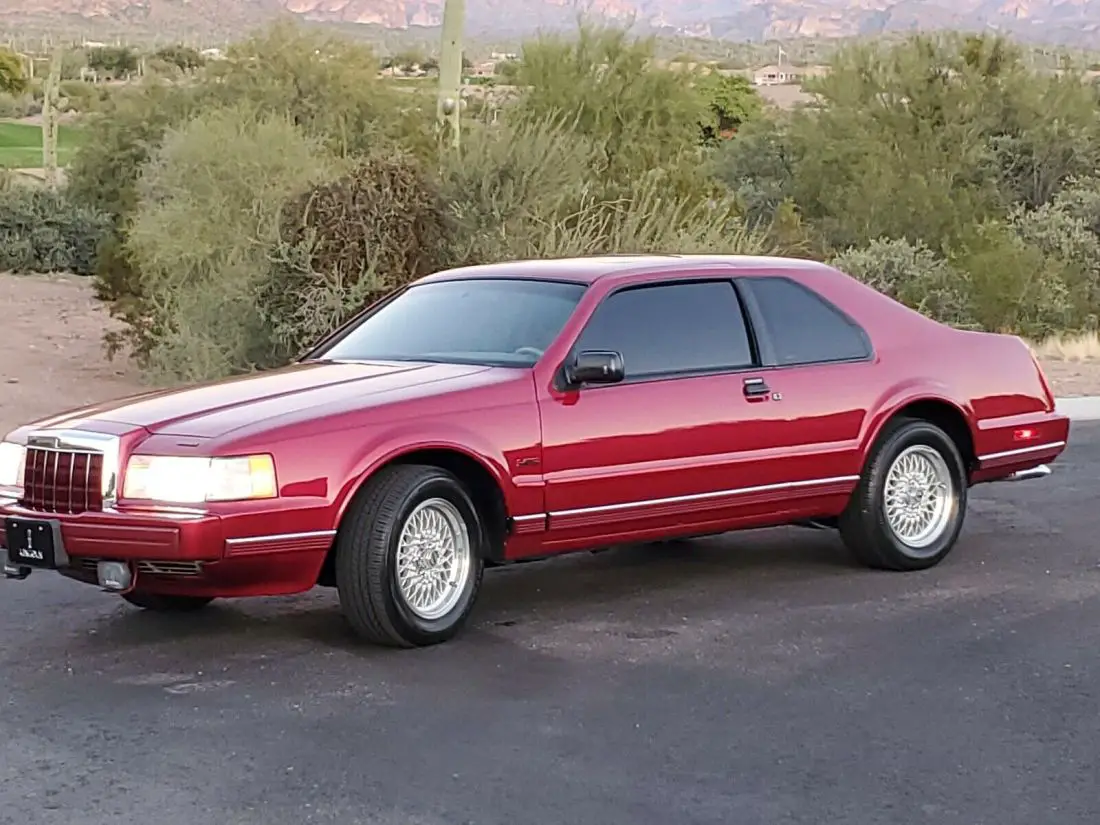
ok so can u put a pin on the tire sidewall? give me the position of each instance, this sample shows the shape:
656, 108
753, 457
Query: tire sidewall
417, 629
911, 434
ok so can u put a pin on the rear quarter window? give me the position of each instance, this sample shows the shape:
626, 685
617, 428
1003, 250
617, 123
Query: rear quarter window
805, 328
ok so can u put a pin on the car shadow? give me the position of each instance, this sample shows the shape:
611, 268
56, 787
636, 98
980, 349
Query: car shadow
691, 575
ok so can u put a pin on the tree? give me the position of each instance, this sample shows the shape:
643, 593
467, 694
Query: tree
926, 138
608, 88
116, 61
508, 70
731, 99
13, 79
408, 60
184, 58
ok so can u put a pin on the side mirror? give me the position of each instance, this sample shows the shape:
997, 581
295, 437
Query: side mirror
594, 367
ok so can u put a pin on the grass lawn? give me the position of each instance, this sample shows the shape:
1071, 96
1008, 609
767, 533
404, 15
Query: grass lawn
21, 145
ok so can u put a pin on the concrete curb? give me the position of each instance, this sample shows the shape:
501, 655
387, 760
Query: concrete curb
1081, 408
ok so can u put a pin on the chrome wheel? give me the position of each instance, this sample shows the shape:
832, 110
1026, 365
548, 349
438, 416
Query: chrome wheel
919, 497
433, 559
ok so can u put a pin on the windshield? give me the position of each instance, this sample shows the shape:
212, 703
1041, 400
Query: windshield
495, 322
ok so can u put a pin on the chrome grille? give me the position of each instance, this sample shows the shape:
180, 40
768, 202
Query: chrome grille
63, 480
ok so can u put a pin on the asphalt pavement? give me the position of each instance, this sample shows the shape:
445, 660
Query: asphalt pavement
758, 677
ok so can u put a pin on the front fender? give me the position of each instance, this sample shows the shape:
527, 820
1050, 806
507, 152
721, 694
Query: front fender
395, 442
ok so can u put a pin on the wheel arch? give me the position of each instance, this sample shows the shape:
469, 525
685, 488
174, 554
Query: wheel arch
476, 476
935, 409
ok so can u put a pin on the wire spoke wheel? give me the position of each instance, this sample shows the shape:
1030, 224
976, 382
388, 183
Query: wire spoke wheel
433, 559
919, 497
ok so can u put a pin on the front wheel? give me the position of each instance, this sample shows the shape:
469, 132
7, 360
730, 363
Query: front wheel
409, 557
908, 509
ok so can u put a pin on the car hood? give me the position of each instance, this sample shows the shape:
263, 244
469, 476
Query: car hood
214, 409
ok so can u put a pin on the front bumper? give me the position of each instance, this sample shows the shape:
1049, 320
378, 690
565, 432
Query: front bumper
185, 552
131, 536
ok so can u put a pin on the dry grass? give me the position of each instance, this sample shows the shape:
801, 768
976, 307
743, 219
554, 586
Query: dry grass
1083, 347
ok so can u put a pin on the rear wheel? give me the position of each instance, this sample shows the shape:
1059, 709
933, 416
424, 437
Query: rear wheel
909, 507
409, 557
159, 603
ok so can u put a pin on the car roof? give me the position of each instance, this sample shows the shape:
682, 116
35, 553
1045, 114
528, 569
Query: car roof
588, 270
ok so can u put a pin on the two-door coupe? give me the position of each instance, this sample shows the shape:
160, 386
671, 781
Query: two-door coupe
507, 412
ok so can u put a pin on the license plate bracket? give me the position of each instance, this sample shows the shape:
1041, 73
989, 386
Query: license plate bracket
35, 543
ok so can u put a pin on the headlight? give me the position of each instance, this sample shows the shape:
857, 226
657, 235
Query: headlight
13, 457
192, 480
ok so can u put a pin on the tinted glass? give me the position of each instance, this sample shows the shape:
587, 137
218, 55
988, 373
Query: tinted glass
804, 329
688, 327
497, 322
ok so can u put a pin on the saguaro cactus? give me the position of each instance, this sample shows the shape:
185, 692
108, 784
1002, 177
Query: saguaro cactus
50, 98
449, 105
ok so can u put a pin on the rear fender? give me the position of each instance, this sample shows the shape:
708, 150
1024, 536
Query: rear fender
900, 396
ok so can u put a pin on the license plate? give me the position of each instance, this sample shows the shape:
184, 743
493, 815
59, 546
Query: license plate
34, 543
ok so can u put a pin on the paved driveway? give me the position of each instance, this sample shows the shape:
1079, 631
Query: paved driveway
756, 678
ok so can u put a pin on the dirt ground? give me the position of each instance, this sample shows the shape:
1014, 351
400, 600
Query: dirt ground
54, 359
53, 355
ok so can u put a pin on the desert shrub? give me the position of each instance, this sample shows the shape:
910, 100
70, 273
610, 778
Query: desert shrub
537, 189
326, 85
1080, 198
927, 138
912, 274
348, 242
608, 88
43, 230
758, 167
1015, 286
18, 106
120, 137
513, 182
1059, 234
83, 97
199, 243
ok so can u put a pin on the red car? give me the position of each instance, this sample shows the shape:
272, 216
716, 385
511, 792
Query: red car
504, 413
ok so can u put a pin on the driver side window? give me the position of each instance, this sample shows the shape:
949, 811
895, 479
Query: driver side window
671, 329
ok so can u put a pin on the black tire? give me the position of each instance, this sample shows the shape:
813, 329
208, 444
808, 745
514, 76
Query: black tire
864, 526
367, 549
159, 603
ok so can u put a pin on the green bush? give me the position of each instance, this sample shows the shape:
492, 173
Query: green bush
1065, 237
120, 137
42, 230
348, 242
199, 245
912, 274
14, 107
606, 86
537, 190
1015, 286
325, 86
1081, 198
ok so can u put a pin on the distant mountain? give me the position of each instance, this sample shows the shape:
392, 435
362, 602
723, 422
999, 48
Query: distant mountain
1075, 22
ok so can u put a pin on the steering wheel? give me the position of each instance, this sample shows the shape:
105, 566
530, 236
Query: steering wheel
535, 351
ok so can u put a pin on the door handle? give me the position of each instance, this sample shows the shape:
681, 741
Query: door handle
756, 388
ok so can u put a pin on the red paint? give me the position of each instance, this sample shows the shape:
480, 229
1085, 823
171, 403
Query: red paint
673, 457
